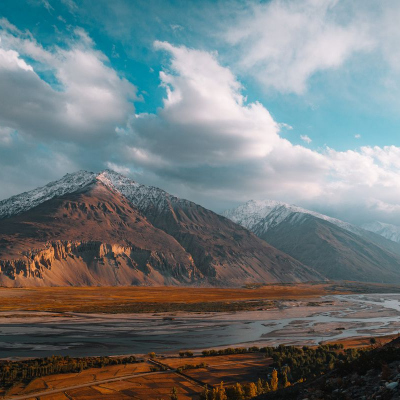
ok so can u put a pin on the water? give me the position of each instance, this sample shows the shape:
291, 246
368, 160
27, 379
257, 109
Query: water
86, 335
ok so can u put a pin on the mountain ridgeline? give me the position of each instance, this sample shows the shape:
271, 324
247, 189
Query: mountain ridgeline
336, 249
104, 229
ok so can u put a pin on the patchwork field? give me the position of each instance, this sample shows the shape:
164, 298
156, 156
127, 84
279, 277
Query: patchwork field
120, 382
151, 387
59, 381
230, 369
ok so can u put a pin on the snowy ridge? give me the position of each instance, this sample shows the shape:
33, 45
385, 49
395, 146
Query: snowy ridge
259, 216
142, 196
388, 231
25, 201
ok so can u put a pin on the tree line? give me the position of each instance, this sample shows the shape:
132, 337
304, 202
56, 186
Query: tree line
290, 365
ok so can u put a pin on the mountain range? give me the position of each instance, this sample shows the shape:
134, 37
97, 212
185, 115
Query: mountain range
105, 229
336, 249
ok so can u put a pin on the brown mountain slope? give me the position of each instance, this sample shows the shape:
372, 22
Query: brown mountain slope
223, 251
91, 237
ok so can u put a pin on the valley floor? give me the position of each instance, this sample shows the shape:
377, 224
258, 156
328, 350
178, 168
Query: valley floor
133, 299
118, 321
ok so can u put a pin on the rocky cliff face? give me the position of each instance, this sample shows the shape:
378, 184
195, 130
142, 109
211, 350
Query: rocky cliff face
35, 263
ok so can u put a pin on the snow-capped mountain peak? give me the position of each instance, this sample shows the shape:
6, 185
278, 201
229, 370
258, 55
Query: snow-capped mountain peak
27, 200
389, 231
262, 215
141, 196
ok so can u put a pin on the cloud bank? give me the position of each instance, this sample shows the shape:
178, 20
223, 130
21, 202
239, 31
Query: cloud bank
208, 137
66, 108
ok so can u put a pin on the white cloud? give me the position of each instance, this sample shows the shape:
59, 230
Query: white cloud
205, 119
66, 122
209, 143
87, 98
73, 8
11, 61
357, 136
306, 139
206, 142
47, 5
6, 135
283, 43
118, 168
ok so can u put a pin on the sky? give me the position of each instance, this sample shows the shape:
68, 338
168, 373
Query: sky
218, 102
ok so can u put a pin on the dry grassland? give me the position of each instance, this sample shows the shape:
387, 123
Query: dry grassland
115, 299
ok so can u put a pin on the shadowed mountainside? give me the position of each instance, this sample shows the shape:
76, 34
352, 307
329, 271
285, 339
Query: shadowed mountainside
334, 252
336, 249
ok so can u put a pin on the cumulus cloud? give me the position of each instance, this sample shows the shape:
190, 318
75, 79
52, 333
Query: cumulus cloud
209, 139
85, 100
204, 118
59, 108
67, 109
283, 43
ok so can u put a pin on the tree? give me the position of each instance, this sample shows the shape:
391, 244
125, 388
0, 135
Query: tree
235, 392
206, 394
174, 394
274, 380
250, 390
152, 355
285, 381
219, 393
260, 386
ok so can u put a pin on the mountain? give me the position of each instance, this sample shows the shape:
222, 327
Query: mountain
388, 231
92, 236
105, 229
336, 249
272, 212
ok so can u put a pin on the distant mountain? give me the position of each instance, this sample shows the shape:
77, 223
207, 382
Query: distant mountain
336, 249
105, 229
269, 213
388, 231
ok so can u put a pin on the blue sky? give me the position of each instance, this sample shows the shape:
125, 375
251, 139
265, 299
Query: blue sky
219, 102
